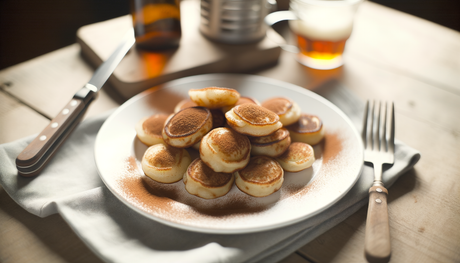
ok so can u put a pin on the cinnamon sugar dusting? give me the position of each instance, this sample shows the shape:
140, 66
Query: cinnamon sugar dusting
163, 156
297, 151
328, 152
187, 121
255, 114
154, 124
230, 142
332, 146
278, 105
173, 203
206, 176
261, 170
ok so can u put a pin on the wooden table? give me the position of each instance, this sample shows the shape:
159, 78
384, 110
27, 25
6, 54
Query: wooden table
391, 56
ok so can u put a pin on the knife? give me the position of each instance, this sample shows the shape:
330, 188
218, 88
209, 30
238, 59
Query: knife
32, 160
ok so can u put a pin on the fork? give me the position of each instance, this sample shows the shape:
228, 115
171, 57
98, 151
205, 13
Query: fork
378, 150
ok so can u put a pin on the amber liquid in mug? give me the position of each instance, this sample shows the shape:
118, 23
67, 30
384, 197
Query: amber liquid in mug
320, 49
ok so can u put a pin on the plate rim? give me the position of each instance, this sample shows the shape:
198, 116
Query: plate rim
261, 79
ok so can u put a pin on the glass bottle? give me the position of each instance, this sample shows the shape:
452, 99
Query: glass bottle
156, 23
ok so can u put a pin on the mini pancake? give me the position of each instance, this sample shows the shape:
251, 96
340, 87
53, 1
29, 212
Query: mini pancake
261, 177
299, 156
272, 145
241, 100
149, 129
288, 111
165, 164
183, 104
253, 120
308, 129
214, 97
225, 150
202, 181
187, 127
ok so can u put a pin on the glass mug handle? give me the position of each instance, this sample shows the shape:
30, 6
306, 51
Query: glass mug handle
279, 16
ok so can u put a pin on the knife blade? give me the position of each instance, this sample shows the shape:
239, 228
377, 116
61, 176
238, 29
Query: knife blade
31, 161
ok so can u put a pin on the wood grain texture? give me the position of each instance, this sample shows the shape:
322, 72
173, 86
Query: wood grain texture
17, 120
48, 82
389, 57
377, 247
195, 55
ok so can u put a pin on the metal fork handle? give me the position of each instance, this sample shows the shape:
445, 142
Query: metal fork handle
377, 239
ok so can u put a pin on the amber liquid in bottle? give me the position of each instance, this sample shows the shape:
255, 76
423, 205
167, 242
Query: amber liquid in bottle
156, 23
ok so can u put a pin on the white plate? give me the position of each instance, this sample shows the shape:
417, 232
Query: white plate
118, 154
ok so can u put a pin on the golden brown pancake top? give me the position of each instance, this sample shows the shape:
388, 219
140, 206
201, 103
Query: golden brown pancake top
261, 170
165, 158
255, 114
187, 121
154, 124
297, 151
200, 172
306, 124
275, 137
230, 142
219, 102
278, 105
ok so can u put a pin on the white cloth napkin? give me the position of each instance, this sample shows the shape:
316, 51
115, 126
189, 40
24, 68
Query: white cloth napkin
70, 186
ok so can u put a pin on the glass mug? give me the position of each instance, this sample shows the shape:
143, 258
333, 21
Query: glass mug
321, 28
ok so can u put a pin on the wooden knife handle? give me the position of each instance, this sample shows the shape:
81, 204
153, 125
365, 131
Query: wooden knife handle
37, 154
377, 238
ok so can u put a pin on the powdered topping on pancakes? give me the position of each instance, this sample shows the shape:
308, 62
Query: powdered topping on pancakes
275, 137
255, 114
164, 157
278, 105
261, 170
154, 124
297, 152
187, 121
206, 176
306, 124
230, 143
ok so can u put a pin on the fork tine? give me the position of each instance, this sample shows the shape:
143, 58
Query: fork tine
377, 141
391, 142
383, 140
371, 127
364, 131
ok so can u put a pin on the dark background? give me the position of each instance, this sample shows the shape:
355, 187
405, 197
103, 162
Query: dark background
29, 28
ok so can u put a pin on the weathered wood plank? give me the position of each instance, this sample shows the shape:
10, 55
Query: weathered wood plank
422, 208
47, 83
17, 120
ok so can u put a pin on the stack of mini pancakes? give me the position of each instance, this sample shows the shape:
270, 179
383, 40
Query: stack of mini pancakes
240, 141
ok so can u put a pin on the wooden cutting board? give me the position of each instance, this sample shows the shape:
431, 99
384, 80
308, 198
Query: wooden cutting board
141, 70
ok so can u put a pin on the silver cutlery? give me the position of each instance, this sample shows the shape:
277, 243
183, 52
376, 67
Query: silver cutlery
32, 160
379, 144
